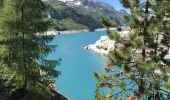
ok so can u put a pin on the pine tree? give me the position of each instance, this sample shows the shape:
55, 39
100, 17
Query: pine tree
1, 2
112, 23
139, 65
24, 46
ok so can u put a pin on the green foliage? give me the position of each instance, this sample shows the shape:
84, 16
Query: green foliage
108, 23
24, 72
139, 65
125, 3
114, 23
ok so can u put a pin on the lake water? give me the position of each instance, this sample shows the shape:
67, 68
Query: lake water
77, 66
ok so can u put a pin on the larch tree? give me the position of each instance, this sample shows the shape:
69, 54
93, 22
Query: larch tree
139, 65
24, 45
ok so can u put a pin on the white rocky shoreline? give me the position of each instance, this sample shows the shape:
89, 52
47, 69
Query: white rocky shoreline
55, 32
104, 45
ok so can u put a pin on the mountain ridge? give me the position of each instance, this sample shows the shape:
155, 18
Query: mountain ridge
81, 14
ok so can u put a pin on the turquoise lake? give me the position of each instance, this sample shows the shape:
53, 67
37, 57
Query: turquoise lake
77, 66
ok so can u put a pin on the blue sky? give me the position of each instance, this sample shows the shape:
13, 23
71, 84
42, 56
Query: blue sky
115, 3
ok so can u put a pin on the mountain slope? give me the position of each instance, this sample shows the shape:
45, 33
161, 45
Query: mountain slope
81, 14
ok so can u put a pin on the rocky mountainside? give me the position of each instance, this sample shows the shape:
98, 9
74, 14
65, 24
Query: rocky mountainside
81, 14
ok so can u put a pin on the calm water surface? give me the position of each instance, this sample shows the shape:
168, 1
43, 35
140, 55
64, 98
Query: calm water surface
76, 80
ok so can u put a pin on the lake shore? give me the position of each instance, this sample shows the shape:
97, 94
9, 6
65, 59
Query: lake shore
55, 32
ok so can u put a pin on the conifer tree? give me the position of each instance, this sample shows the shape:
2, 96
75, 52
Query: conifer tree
24, 46
139, 65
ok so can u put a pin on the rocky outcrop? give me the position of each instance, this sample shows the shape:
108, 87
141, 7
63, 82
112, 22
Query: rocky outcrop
104, 45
